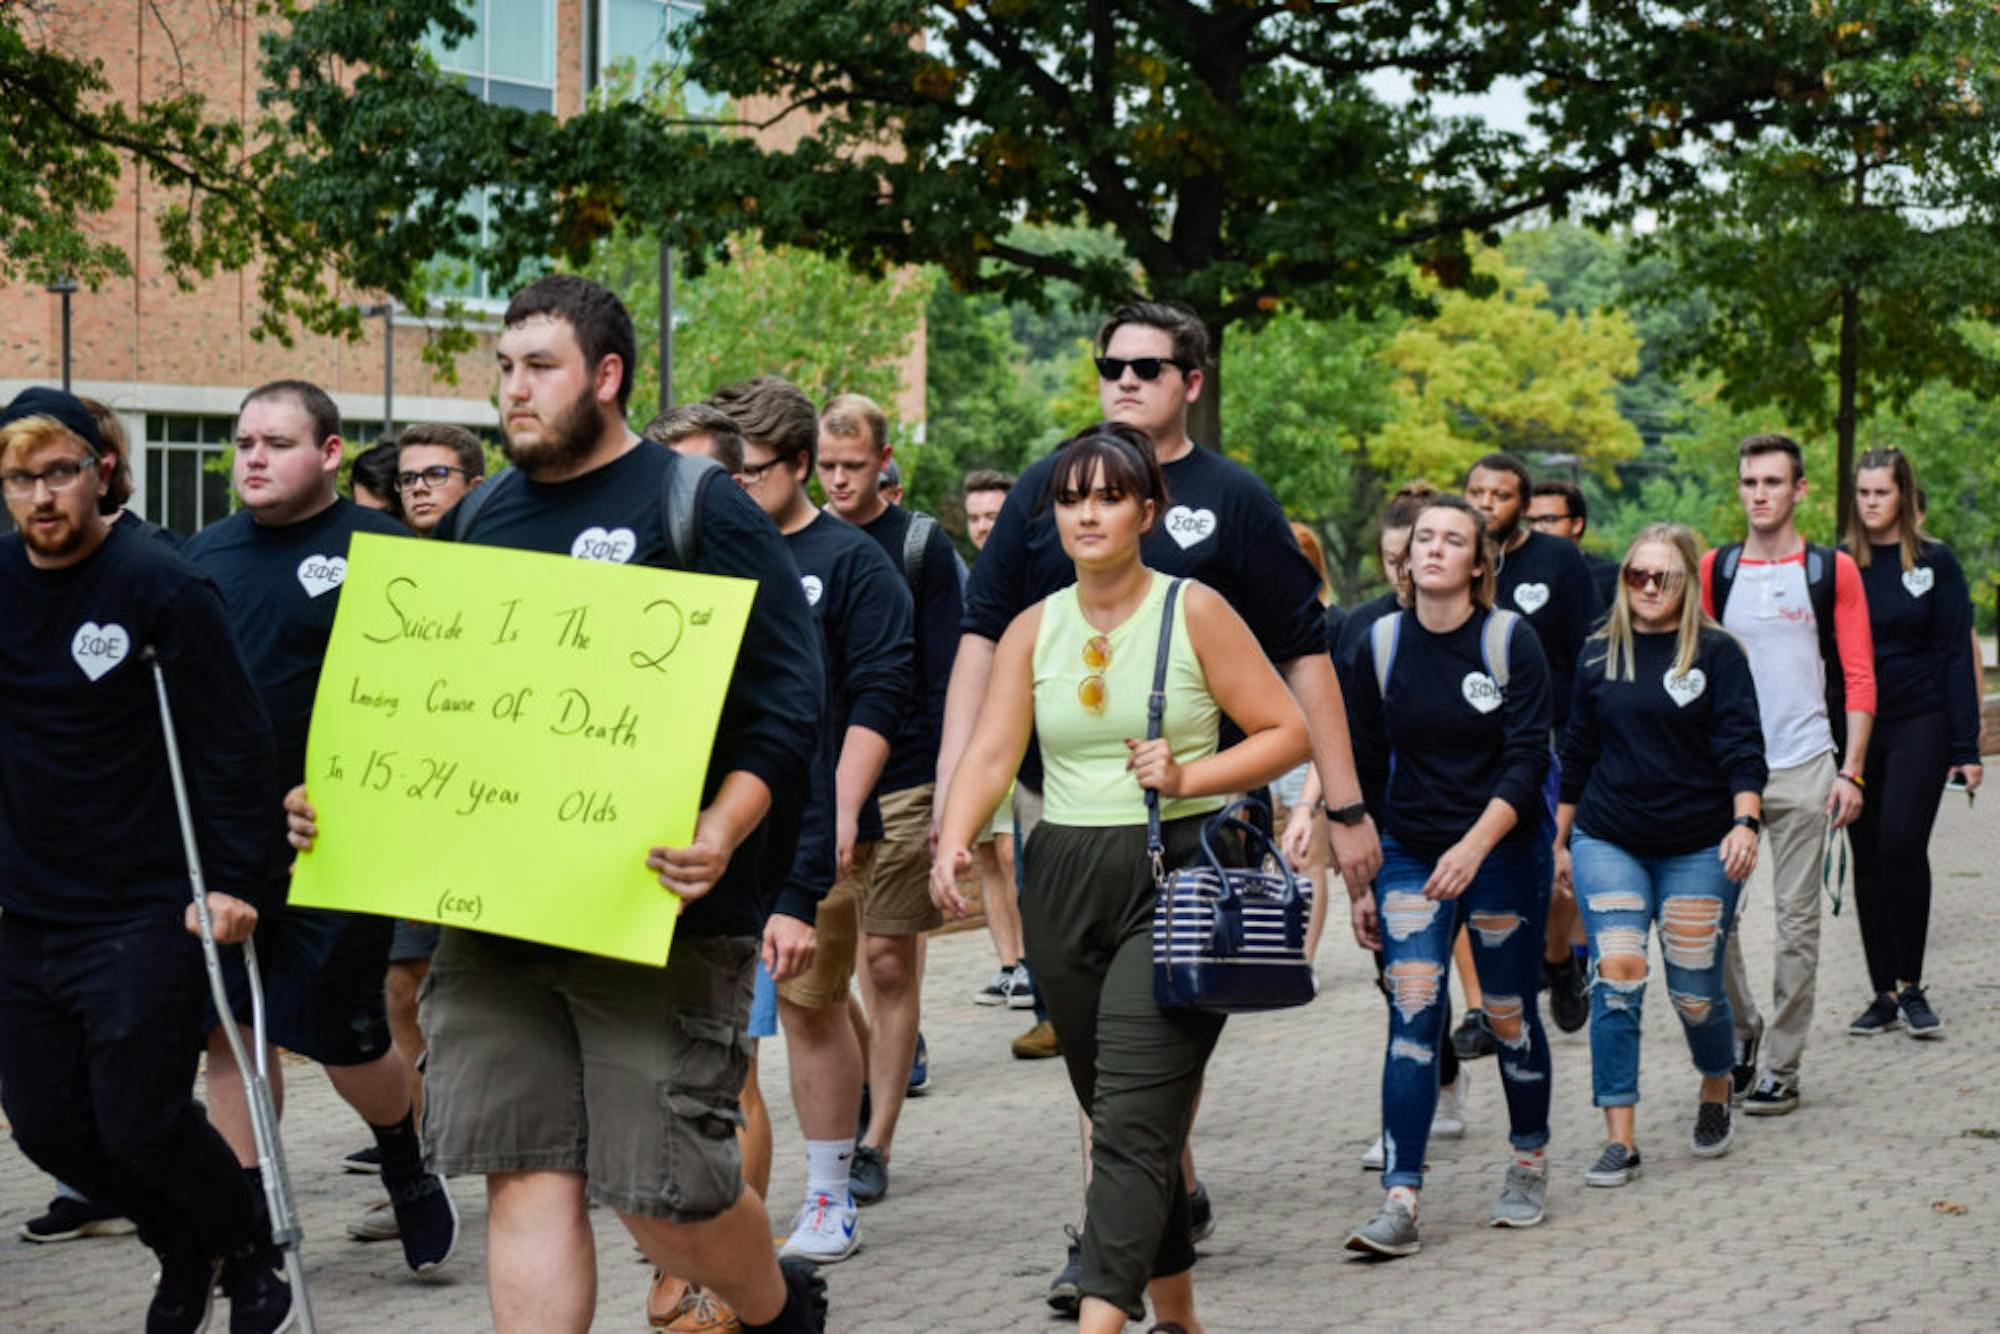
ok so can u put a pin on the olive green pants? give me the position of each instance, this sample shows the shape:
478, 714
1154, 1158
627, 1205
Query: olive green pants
1087, 922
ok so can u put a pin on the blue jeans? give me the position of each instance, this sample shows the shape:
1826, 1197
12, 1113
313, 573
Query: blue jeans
1506, 906
1622, 897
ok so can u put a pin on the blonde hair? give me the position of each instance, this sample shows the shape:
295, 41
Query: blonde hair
28, 433
856, 415
1619, 659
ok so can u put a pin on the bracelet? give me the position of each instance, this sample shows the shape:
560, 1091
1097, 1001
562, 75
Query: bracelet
1853, 778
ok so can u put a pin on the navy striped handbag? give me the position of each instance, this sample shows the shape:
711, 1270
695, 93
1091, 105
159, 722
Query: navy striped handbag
1227, 939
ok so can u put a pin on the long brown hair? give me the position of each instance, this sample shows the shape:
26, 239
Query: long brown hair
1619, 659
1905, 477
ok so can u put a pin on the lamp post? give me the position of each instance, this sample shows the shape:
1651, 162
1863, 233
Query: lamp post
666, 326
387, 310
64, 287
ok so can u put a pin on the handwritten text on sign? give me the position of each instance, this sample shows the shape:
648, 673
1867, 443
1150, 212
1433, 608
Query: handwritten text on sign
500, 736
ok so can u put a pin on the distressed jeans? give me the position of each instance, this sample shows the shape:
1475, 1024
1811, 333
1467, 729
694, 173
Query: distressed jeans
1622, 898
1794, 830
1506, 907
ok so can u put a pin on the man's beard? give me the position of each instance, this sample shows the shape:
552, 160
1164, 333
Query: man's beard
66, 540
575, 434
1505, 535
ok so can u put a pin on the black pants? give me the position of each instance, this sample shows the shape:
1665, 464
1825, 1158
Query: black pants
1087, 921
100, 1028
1907, 762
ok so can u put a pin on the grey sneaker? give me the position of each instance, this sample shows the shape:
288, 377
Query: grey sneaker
1390, 1233
1616, 1166
1524, 1197
867, 1174
1714, 1128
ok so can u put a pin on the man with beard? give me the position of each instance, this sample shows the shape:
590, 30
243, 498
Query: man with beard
1545, 579
1223, 527
1558, 508
101, 980
566, 1078
280, 561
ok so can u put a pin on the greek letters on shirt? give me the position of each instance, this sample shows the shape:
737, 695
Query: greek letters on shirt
1531, 598
1918, 582
813, 587
322, 574
96, 648
615, 545
1190, 527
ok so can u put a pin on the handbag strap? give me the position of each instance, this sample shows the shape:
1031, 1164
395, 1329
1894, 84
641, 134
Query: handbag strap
1156, 712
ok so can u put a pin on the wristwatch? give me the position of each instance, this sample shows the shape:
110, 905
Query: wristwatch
1353, 813
1750, 822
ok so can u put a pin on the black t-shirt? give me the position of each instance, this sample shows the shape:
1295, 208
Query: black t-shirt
1653, 763
1447, 739
88, 826
864, 614
147, 528
771, 714
1546, 581
940, 606
1922, 624
1336, 621
282, 587
1221, 526
1354, 632
1604, 578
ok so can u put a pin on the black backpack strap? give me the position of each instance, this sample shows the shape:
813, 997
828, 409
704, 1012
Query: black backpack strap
467, 510
1722, 574
683, 491
916, 541
1156, 712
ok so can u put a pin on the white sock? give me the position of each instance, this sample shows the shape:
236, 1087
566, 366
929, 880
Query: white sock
827, 1163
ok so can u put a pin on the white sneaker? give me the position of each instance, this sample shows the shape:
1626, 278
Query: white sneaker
376, 1223
1448, 1122
826, 1231
1373, 1157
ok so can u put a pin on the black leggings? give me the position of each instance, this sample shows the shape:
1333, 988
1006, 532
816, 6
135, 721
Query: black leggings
1907, 762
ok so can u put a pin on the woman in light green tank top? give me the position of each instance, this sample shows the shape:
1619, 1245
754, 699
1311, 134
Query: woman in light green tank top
1077, 668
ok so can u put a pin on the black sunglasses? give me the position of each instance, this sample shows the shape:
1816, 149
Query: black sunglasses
1146, 368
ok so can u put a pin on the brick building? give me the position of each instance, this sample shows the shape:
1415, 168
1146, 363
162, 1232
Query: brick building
175, 364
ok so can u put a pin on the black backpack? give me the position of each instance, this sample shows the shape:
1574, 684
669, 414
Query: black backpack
1820, 566
683, 489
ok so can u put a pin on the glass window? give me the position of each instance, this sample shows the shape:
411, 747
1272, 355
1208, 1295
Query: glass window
187, 476
650, 36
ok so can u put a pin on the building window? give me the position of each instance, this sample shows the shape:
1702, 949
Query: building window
648, 38
187, 481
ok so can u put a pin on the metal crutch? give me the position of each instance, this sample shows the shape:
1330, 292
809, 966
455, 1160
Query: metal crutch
285, 1229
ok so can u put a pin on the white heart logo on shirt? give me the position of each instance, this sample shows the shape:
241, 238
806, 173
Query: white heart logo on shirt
99, 648
1481, 691
322, 574
813, 587
1531, 598
1919, 580
1685, 690
615, 545
1187, 527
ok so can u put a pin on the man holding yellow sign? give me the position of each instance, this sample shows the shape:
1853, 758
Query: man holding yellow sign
561, 1075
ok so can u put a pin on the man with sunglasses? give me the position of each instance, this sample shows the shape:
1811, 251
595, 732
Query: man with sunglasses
1558, 509
280, 561
435, 466
1221, 526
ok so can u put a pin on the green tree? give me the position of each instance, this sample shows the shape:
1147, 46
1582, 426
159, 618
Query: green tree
980, 412
1847, 250
1238, 153
1504, 372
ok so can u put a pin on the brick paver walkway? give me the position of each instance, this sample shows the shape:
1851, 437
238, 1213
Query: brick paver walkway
1878, 1202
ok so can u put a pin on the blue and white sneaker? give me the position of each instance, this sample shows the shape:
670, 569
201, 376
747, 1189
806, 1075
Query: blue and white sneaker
826, 1231
920, 1069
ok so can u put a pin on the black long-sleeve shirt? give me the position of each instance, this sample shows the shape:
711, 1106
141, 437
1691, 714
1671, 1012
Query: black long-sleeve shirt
1545, 579
1653, 764
1220, 525
771, 713
940, 606
864, 613
1922, 624
1446, 740
89, 832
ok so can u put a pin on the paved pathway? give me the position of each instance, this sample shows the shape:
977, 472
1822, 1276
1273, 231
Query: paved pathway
1878, 1202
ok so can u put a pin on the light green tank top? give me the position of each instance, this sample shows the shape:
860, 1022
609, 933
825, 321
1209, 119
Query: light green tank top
1085, 781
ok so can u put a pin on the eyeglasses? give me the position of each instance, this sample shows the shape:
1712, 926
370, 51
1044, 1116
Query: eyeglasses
57, 477
431, 476
1639, 580
1146, 368
1096, 657
1548, 520
753, 473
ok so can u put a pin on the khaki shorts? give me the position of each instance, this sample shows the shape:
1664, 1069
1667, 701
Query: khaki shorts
899, 896
546, 1060
838, 932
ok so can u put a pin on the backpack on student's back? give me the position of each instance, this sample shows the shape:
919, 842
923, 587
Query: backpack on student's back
683, 489
1494, 637
1820, 566
917, 540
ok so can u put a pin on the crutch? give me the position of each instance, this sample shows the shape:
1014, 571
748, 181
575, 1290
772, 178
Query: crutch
285, 1229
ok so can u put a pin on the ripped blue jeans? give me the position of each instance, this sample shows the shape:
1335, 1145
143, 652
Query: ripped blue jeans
1622, 897
1505, 907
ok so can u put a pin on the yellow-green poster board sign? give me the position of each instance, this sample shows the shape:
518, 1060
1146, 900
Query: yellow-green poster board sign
500, 737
